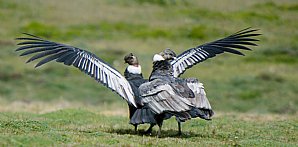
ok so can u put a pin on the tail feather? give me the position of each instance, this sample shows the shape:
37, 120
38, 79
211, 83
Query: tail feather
194, 113
143, 115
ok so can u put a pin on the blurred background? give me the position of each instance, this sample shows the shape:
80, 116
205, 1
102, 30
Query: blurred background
263, 81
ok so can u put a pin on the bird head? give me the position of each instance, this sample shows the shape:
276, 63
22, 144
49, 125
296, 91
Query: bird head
168, 54
131, 59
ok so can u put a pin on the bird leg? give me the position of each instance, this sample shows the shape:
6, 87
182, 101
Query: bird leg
149, 130
179, 128
136, 128
159, 130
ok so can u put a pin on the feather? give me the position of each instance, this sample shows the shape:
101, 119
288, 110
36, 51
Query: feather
50, 58
43, 54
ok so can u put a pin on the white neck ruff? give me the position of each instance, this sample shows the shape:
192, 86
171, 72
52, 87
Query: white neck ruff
157, 57
134, 70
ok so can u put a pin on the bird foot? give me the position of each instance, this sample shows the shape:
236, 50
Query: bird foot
148, 132
179, 134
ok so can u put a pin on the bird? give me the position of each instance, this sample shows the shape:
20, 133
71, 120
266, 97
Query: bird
166, 93
125, 86
133, 74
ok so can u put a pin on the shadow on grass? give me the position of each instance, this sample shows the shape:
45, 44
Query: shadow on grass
164, 133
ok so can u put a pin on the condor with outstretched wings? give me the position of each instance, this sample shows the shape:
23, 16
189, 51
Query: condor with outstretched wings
186, 98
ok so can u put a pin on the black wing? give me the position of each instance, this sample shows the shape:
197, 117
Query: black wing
81, 59
200, 53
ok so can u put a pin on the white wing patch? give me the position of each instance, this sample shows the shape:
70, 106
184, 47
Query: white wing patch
187, 60
108, 76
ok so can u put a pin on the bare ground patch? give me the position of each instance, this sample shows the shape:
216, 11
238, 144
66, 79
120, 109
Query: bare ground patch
41, 107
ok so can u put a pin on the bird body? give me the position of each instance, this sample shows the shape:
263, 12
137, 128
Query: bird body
185, 98
169, 96
140, 114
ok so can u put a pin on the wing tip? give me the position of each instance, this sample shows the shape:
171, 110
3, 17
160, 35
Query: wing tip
246, 31
28, 61
37, 65
31, 35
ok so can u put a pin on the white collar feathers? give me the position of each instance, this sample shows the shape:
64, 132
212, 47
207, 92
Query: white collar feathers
134, 70
157, 57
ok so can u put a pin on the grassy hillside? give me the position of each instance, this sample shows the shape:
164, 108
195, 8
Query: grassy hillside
264, 82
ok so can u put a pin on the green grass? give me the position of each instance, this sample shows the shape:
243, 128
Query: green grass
262, 83
78, 127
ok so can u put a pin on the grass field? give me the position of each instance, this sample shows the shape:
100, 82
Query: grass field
76, 127
254, 97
